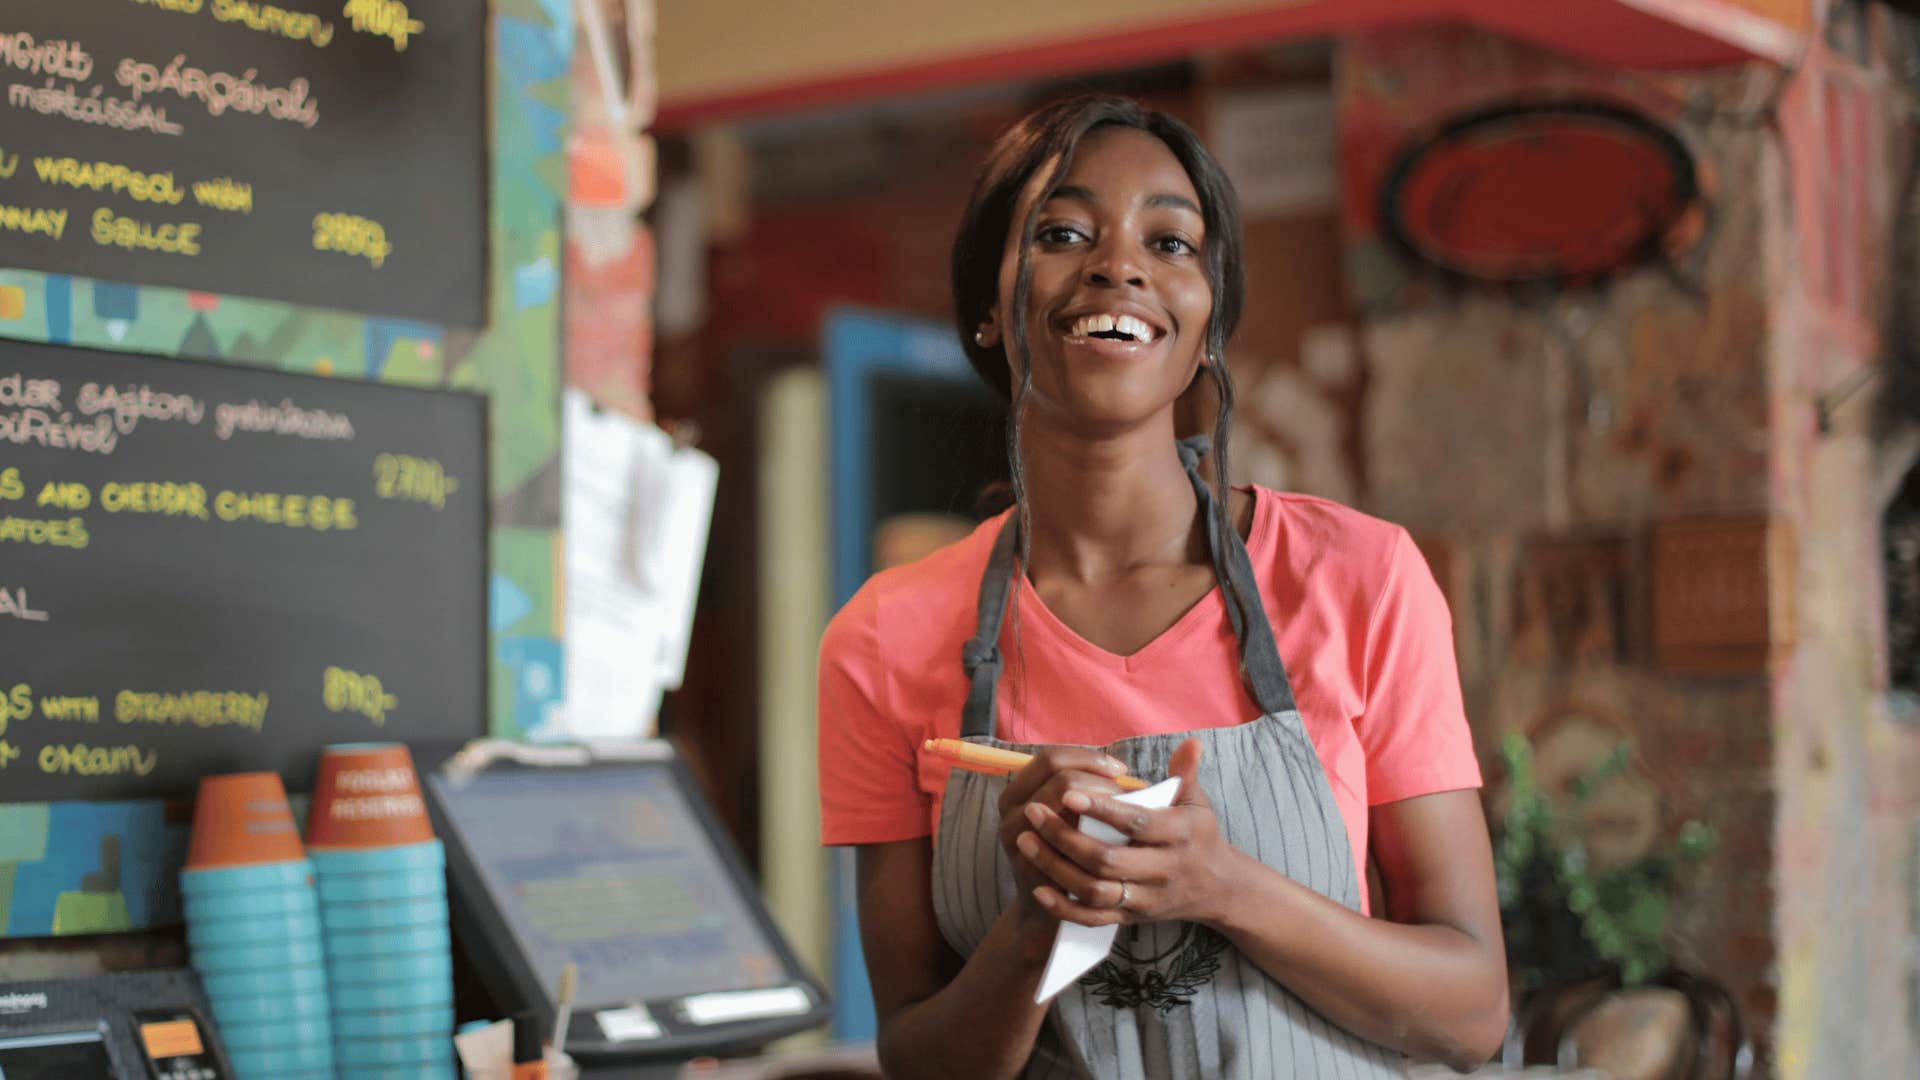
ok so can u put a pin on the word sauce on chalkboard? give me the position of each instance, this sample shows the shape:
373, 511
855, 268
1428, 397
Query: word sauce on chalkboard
214, 569
327, 152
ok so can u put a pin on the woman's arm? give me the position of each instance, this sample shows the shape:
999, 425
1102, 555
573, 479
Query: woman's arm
938, 1017
977, 1019
1429, 981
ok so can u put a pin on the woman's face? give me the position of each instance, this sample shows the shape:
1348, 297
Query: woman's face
1117, 314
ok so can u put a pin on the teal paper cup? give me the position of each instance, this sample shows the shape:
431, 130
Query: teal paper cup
398, 1023
386, 997
252, 904
283, 1059
271, 1008
345, 971
351, 1054
226, 879
346, 888
300, 980
305, 952
426, 856
385, 916
348, 944
265, 929
273, 1034
440, 1069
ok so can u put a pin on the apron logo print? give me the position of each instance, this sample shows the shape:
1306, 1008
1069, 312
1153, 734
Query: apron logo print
1190, 963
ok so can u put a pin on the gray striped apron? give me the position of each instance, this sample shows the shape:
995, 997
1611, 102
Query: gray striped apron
1174, 999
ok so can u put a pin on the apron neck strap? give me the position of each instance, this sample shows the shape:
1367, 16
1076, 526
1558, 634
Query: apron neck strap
981, 654
1260, 660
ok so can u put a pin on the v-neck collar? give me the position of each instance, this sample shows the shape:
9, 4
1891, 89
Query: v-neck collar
1208, 612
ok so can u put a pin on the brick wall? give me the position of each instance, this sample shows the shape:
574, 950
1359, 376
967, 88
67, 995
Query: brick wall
1541, 445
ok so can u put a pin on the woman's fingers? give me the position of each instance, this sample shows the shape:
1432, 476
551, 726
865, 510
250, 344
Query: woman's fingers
1065, 875
1055, 793
1054, 768
1095, 858
1139, 824
1060, 906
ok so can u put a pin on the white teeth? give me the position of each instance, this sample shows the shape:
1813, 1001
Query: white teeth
1137, 329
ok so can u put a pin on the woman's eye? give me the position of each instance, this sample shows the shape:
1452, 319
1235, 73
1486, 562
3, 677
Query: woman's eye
1058, 234
1174, 245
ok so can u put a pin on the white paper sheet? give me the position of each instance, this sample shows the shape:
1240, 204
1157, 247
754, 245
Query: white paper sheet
637, 513
1077, 948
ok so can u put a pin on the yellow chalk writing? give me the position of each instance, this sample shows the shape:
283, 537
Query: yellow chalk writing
109, 176
269, 19
11, 486
413, 479
166, 499
178, 7
321, 513
64, 495
225, 193
174, 238
389, 19
351, 234
71, 710
83, 760
69, 533
350, 691
33, 220
8, 752
16, 704
198, 708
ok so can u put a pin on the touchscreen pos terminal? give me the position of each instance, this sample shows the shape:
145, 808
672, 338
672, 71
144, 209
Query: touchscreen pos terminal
616, 865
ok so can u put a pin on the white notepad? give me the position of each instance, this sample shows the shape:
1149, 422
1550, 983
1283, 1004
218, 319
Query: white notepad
1076, 948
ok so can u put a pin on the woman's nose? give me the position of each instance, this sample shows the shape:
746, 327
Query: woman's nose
1112, 265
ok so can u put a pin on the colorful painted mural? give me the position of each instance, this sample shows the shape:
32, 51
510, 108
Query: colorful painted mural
68, 868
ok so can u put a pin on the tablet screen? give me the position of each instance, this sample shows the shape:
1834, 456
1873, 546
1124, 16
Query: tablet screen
611, 869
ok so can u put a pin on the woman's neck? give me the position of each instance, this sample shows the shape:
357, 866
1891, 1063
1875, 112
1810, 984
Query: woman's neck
1104, 506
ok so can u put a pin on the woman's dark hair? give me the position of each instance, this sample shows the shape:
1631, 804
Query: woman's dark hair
1051, 135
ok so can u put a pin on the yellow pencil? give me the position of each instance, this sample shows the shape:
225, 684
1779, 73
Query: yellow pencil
992, 759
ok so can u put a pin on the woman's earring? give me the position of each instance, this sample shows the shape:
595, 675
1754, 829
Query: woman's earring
980, 338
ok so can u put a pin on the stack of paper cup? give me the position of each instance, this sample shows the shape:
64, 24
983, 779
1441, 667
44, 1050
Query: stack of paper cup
253, 923
383, 903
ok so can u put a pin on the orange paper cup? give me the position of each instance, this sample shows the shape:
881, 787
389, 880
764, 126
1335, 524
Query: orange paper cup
367, 796
242, 819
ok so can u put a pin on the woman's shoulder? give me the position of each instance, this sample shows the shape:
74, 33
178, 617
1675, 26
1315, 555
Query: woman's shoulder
1320, 528
917, 605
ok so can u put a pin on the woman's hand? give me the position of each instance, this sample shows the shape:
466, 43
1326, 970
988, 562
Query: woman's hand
1054, 776
1177, 866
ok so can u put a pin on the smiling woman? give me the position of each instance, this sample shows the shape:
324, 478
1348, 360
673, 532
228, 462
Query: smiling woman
1288, 660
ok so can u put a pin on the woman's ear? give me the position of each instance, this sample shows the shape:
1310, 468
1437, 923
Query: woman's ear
986, 335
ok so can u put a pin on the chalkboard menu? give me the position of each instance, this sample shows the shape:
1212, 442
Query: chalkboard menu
327, 152
210, 569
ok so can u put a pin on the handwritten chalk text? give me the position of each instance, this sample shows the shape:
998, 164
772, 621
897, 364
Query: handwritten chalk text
111, 176
83, 760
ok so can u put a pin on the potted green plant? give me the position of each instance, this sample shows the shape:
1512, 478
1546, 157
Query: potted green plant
1565, 918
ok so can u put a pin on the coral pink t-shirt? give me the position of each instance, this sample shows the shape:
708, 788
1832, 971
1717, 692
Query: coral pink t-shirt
1361, 626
